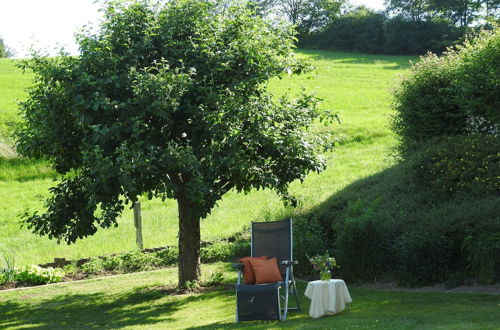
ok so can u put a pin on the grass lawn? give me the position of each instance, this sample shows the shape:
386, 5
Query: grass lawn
141, 300
354, 85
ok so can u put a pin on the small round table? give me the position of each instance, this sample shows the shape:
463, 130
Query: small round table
327, 297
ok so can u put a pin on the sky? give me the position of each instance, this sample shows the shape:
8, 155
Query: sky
51, 24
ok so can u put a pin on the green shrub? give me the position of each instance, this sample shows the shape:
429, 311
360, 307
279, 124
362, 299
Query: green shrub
138, 261
370, 216
417, 38
218, 251
71, 268
112, 263
167, 256
9, 270
3, 278
466, 164
215, 278
423, 257
479, 80
241, 248
426, 103
361, 31
93, 266
363, 243
483, 248
309, 238
367, 31
456, 94
37, 275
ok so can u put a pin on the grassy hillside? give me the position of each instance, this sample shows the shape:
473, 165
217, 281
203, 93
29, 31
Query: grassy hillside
354, 85
12, 86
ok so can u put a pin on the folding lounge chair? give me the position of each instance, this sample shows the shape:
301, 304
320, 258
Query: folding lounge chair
263, 301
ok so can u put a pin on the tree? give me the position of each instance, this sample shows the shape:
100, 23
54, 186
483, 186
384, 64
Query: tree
461, 12
412, 10
166, 100
5, 51
309, 15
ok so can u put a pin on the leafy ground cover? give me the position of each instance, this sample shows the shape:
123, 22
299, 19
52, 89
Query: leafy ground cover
148, 300
354, 85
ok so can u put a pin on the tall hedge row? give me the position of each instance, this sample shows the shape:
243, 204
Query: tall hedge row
433, 217
455, 94
370, 32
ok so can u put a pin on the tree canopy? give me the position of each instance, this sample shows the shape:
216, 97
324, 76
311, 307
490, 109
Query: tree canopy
5, 51
167, 100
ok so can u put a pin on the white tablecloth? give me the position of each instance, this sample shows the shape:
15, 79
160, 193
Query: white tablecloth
327, 297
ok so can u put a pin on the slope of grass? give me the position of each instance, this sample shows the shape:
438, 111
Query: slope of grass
143, 300
354, 85
12, 89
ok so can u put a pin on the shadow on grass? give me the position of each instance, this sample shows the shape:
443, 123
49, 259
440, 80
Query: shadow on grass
389, 62
141, 306
24, 169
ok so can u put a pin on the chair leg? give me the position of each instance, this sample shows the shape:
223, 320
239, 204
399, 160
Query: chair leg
295, 292
237, 314
287, 289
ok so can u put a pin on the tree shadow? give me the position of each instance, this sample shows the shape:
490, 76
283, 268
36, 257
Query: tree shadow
141, 306
24, 169
389, 62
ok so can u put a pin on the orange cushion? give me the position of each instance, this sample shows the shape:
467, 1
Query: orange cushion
248, 275
266, 271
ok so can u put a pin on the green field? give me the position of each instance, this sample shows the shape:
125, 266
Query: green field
356, 86
144, 300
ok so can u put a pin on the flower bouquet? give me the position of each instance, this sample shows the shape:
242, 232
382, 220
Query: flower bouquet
323, 264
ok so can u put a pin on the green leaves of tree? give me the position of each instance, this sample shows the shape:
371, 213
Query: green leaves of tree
167, 100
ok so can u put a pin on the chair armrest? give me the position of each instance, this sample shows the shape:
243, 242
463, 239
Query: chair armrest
289, 262
237, 266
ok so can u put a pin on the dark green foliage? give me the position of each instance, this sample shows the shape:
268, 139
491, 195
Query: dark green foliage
466, 164
217, 251
361, 31
93, 266
479, 82
450, 95
423, 257
222, 251
308, 239
214, 279
415, 38
168, 256
371, 32
398, 225
112, 263
363, 241
483, 252
138, 261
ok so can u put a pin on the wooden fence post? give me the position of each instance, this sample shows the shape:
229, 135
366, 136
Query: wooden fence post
138, 225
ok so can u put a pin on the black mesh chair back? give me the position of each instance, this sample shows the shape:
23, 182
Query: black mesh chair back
273, 239
263, 301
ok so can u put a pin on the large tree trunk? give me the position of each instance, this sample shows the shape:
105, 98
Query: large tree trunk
189, 242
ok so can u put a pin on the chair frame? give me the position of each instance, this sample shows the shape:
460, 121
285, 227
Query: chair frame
288, 284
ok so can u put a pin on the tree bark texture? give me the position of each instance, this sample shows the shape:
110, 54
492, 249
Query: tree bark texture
189, 242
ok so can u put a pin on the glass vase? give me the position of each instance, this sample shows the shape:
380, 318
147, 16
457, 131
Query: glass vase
325, 275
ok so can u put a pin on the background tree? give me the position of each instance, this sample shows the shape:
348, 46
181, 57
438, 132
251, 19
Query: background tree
5, 51
309, 15
413, 10
167, 100
460, 12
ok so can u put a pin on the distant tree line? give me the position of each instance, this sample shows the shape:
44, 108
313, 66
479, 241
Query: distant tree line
405, 27
5, 51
